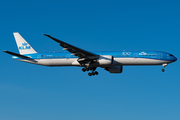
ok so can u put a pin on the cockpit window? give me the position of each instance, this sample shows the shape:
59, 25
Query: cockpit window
170, 55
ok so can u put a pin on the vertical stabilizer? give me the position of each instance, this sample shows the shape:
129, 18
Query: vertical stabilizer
23, 46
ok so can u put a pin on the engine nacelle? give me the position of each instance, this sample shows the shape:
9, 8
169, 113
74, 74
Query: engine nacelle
115, 69
105, 60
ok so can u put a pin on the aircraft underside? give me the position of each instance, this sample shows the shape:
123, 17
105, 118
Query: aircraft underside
118, 63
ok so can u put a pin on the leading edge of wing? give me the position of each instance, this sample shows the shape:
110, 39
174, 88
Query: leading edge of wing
74, 50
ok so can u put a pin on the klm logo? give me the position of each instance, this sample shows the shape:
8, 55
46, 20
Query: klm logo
24, 46
142, 53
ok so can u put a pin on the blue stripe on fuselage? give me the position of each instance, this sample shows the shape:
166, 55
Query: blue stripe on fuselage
158, 55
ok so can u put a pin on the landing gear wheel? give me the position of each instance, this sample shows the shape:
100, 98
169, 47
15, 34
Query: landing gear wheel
84, 69
93, 73
90, 74
96, 73
163, 70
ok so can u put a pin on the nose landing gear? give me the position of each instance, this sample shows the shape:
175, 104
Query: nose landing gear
163, 65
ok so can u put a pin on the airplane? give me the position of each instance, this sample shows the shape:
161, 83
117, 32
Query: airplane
110, 61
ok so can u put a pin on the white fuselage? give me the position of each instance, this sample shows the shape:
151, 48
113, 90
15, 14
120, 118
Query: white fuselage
117, 61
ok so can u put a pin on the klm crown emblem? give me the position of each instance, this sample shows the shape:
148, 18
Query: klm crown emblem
24, 46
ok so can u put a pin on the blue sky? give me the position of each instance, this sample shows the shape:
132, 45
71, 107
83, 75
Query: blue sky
32, 92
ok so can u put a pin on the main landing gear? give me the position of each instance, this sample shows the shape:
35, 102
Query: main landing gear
163, 65
90, 69
93, 73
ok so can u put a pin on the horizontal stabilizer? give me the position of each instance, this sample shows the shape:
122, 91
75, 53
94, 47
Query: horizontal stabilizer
15, 54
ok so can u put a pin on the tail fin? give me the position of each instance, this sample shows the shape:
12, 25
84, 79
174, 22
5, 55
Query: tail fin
23, 46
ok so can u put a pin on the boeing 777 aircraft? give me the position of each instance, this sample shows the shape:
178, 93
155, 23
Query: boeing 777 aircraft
110, 61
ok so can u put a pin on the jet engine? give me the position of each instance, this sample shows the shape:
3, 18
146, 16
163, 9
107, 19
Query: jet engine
105, 60
115, 69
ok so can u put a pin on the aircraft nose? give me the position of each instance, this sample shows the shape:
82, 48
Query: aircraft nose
175, 58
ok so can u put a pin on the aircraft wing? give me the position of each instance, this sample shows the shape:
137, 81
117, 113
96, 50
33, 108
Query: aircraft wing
75, 50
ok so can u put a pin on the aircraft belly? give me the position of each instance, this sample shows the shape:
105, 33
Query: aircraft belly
56, 62
139, 61
117, 61
28, 61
